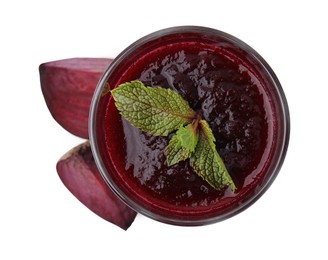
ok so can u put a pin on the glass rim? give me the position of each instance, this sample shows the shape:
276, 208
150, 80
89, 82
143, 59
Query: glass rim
283, 105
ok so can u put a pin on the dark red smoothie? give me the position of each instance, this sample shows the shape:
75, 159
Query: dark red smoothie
223, 83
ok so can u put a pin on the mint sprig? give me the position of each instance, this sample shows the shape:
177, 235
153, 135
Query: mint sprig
161, 111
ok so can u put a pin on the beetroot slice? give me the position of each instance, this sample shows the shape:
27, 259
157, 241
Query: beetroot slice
78, 172
68, 86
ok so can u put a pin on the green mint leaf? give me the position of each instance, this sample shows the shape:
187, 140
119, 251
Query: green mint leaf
175, 152
155, 110
182, 144
188, 136
206, 161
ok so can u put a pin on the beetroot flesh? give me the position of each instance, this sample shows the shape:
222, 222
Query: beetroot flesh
68, 86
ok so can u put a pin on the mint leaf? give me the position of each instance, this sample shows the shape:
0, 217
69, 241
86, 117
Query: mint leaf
206, 161
175, 152
188, 136
182, 144
155, 110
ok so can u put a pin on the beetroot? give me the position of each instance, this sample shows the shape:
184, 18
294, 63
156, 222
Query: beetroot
68, 86
78, 172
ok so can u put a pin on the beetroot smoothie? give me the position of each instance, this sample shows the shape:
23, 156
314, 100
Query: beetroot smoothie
231, 87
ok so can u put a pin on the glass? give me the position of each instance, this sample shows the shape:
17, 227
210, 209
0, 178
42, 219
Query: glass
276, 109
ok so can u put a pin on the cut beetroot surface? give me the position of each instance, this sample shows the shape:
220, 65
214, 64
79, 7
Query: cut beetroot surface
68, 86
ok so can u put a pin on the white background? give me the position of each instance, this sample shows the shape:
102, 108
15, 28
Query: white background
40, 219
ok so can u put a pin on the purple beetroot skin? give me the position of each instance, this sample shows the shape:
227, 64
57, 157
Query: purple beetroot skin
78, 172
68, 86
